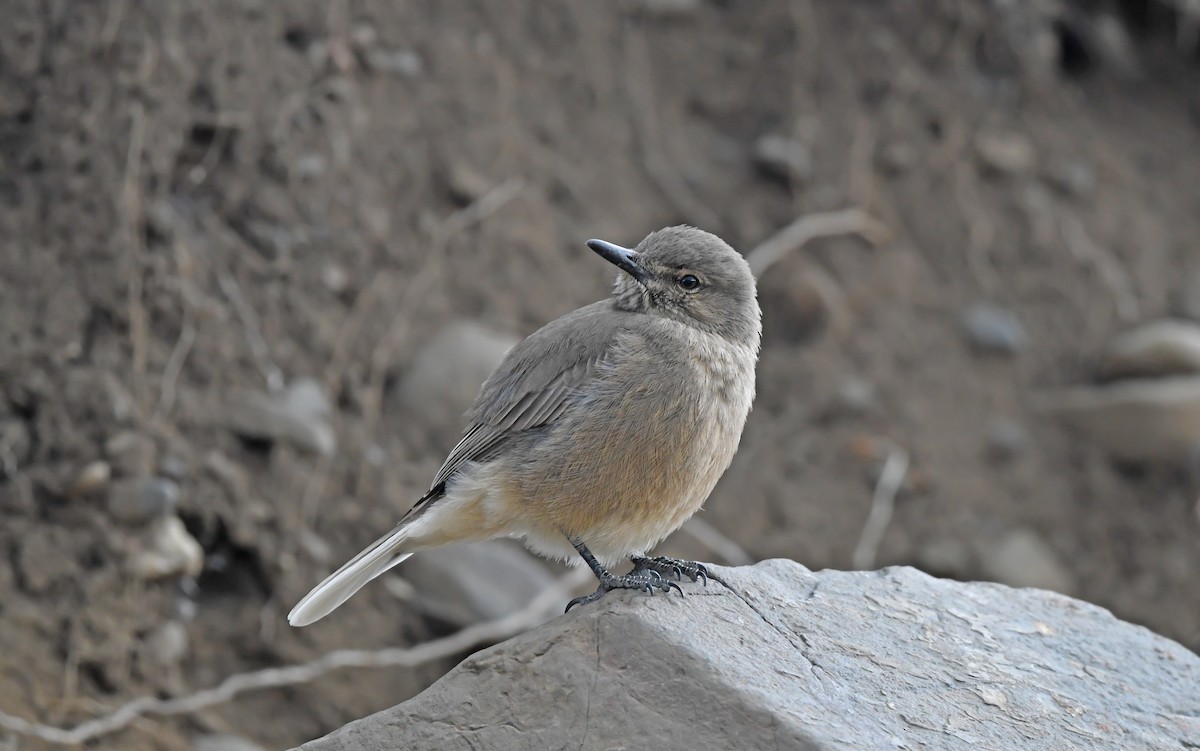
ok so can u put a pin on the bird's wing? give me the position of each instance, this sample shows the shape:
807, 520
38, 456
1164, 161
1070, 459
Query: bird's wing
536, 382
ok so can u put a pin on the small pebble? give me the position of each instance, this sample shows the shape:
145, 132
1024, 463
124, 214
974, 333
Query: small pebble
465, 183
395, 62
1005, 440
90, 479
446, 373
992, 329
298, 415
335, 278
167, 550
131, 453
783, 157
855, 395
1022, 558
1005, 152
309, 166
138, 500
1072, 178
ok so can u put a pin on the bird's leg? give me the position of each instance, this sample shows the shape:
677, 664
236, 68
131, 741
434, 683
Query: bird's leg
671, 567
643, 580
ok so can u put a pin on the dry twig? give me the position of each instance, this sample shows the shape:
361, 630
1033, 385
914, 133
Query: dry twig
811, 226
1106, 264
533, 614
890, 479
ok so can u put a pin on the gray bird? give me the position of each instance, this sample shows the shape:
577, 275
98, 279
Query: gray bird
603, 431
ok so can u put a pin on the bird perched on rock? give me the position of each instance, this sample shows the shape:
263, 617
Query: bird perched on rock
603, 431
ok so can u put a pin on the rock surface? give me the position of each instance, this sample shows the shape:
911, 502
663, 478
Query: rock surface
782, 658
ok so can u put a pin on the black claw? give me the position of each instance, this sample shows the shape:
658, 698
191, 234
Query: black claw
671, 567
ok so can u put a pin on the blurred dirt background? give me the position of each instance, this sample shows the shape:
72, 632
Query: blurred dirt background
231, 231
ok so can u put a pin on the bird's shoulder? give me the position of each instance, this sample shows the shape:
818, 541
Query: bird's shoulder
537, 380
565, 352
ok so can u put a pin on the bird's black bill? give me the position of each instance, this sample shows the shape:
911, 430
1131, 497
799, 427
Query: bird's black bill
623, 258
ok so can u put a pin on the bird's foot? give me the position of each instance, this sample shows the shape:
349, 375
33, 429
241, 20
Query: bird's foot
671, 567
643, 580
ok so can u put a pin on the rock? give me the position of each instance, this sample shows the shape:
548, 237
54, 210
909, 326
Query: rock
131, 453
167, 645
1005, 152
949, 556
1022, 558
335, 278
167, 549
1160, 348
855, 395
465, 584
1005, 440
1141, 420
138, 500
784, 158
465, 183
1072, 178
298, 415
395, 62
786, 658
94, 476
224, 743
992, 329
447, 372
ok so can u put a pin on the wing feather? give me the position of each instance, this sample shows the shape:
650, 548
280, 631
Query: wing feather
539, 379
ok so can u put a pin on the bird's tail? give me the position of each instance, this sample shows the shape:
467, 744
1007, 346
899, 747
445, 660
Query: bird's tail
339, 586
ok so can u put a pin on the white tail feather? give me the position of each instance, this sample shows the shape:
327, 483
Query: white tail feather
339, 586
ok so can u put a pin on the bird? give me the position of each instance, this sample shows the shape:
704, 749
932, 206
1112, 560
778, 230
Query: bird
600, 433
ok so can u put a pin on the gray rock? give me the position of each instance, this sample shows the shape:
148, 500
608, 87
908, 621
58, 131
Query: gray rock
783, 157
1159, 348
298, 415
131, 454
948, 556
1005, 439
784, 658
465, 584
138, 500
447, 372
1022, 558
1072, 178
94, 476
855, 395
1140, 420
992, 329
395, 62
1005, 152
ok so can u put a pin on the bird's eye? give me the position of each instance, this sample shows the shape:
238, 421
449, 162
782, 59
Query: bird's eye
688, 282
